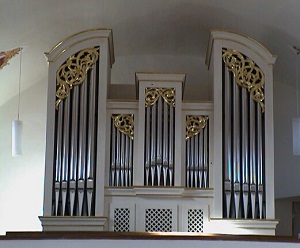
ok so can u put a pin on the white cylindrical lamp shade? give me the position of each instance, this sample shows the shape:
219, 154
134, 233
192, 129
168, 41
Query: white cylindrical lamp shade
17, 133
296, 136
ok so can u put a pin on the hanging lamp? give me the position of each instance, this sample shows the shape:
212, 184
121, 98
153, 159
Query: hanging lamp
17, 125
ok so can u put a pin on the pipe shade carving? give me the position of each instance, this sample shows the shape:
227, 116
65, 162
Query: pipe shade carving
247, 74
152, 95
125, 124
73, 72
194, 125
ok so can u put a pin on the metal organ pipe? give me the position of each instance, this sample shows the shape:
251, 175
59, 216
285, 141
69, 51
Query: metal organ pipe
245, 164
65, 154
74, 136
205, 157
75, 131
227, 141
147, 142
113, 154
236, 147
165, 142
82, 132
171, 146
118, 158
196, 172
58, 166
91, 129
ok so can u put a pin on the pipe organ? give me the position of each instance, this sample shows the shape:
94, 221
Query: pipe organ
158, 163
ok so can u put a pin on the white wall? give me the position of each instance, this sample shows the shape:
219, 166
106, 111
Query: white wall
21, 178
287, 166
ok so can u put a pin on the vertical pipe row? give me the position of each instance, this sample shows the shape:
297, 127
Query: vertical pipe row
242, 152
121, 153
197, 159
159, 144
75, 149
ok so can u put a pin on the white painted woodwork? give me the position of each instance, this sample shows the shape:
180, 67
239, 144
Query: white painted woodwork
134, 201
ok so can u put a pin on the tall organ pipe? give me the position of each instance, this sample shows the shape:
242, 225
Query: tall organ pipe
147, 144
130, 162
259, 146
196, 173
58, 143
118, 158
126, 160
82, 132
205, 157
74, 136
91, 129
122, 161
228, 114
65, 155
252, 147
153, 135
245, 165
113, 154
236, 137
171, 147
159, 131
188, 155
166, 141
201, 159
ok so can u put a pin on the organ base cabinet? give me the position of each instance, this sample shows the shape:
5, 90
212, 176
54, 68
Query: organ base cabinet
157, 163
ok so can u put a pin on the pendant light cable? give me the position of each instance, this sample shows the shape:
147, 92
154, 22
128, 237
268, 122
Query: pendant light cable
20, 73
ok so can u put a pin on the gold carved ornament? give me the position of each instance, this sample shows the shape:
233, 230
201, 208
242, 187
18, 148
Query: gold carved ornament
152, 95
7, 55
73, 72
247, 74
125, 124
194, 125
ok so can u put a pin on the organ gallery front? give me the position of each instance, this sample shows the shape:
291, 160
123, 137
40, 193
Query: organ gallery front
157, 163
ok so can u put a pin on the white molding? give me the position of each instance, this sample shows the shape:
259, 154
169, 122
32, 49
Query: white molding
242, 226
159, 191
57, 223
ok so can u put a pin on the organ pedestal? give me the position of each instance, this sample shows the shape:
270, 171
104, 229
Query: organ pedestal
157, 163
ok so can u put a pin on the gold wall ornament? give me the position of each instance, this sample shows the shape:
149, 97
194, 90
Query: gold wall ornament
73, 72
125, 124
247, 74
7, 55
194, 124
152, 95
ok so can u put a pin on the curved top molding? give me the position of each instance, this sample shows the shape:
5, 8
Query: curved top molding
249, 43
82, 36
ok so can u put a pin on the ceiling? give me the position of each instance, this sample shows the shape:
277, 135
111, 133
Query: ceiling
156, 35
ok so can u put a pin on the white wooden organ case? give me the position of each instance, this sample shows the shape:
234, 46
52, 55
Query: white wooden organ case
156, 163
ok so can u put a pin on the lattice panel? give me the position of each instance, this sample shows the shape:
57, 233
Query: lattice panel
195, 220
158, 220
121, 220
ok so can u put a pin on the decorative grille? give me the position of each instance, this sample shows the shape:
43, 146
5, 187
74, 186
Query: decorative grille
195, 220
121, 219
158, 220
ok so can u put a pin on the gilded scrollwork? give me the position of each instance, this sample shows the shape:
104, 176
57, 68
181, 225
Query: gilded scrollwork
247, 74
152, 95
73, 72
124, 123
194, 125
